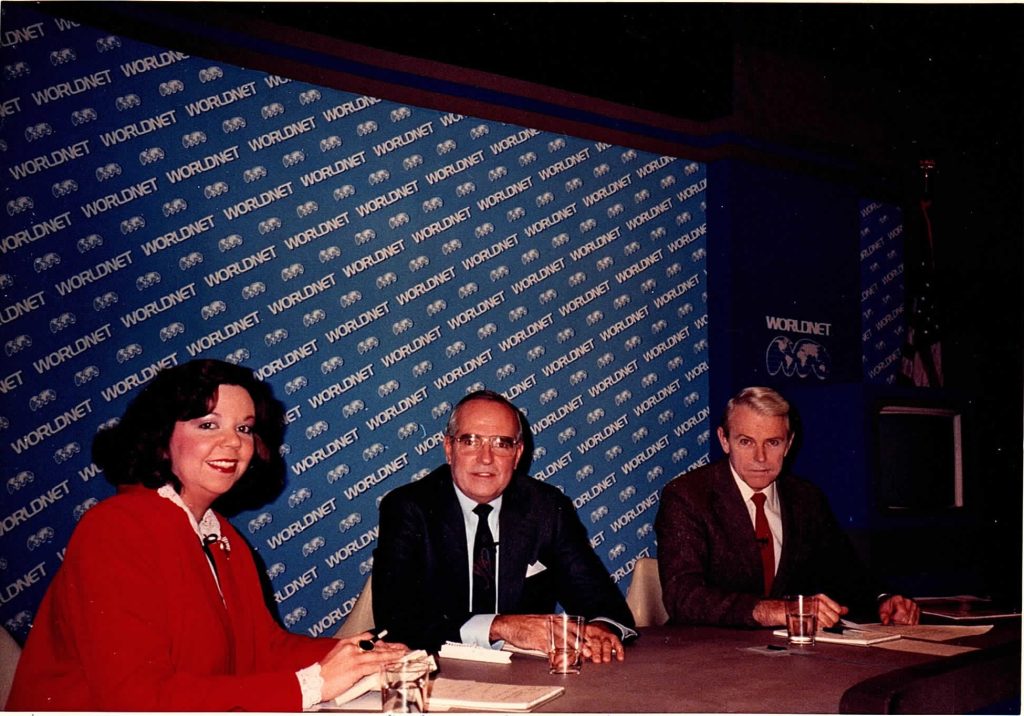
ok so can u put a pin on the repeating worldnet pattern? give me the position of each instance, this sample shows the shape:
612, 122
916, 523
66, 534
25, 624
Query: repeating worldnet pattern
372, 261
883, 323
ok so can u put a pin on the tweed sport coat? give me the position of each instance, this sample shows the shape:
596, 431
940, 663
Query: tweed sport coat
708, 556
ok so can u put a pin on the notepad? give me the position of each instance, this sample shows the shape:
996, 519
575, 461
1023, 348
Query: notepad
471, 652
525, 652
468, 695
850, 635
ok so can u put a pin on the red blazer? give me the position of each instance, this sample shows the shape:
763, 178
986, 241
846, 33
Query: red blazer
133, 622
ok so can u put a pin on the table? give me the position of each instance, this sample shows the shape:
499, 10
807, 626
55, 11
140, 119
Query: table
710, 669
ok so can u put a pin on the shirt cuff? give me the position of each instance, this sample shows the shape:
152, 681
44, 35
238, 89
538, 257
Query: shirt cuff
312, 685
625, 633
477, 631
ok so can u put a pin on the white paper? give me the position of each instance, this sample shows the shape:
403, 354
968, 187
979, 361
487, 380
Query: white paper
852, 636
934, 632
481, 696
924, 647
471, 652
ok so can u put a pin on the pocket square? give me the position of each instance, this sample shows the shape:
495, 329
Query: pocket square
535, 568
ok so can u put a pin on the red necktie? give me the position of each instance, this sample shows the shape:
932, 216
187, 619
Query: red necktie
764, 541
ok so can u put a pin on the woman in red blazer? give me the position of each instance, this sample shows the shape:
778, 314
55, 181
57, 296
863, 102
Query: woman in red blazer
158, 605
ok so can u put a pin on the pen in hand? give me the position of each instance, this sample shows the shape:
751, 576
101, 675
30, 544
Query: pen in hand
836, 628
367, 644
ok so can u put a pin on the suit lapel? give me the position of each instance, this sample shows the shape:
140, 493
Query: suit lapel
514, 545
790, 538
452, 552
739, 529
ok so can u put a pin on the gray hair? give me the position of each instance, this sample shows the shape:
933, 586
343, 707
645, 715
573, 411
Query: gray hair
489, 396
761, 400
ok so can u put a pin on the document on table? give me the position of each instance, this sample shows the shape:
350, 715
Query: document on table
446, 694
367, 703
525, 652
917, 646
933, 632
471, 652
852, 636
873, 634
927, 638
964, 607
850, 633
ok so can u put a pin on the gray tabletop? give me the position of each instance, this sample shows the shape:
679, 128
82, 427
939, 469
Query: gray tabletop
707, 669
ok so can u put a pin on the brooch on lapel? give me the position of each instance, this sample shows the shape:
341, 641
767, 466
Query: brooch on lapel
218, 540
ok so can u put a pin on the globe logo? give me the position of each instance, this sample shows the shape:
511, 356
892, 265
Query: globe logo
802, 358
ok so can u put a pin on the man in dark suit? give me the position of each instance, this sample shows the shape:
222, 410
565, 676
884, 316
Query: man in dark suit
425, 576
725, 560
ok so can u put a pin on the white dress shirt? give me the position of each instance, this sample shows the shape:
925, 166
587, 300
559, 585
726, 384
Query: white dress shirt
477, 629
772, 511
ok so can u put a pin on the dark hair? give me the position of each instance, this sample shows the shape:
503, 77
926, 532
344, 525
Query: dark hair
135, 450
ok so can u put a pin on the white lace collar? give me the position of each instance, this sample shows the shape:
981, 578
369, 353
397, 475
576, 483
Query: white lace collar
207, 529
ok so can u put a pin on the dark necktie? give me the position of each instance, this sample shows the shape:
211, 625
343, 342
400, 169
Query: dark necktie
764, 541
483, 564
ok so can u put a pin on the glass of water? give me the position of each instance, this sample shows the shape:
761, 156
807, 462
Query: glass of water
403, 687
801, 619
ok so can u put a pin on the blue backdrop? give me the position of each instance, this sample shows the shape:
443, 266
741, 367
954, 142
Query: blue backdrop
373, 261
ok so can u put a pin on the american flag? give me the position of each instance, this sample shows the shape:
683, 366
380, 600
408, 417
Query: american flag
921, 362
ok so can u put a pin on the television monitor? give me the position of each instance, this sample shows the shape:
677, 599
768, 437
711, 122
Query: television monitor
920, 457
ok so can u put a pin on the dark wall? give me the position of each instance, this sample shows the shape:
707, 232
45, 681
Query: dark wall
785, 244
787, 249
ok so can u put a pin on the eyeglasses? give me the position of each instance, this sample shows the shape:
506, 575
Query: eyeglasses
500, 444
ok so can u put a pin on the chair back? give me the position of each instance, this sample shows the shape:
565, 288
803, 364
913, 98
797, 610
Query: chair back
10, 652
644, 594
361, 617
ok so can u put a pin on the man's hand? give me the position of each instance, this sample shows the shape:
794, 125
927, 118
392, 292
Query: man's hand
772, 612
898, 609
601, 644
829, 611
530, 631
526, 631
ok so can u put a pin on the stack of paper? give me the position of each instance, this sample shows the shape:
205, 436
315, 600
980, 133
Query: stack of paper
854, 636
465, 695
525, 652
470, 652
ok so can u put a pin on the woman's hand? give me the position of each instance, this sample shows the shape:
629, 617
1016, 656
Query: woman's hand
347, 663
